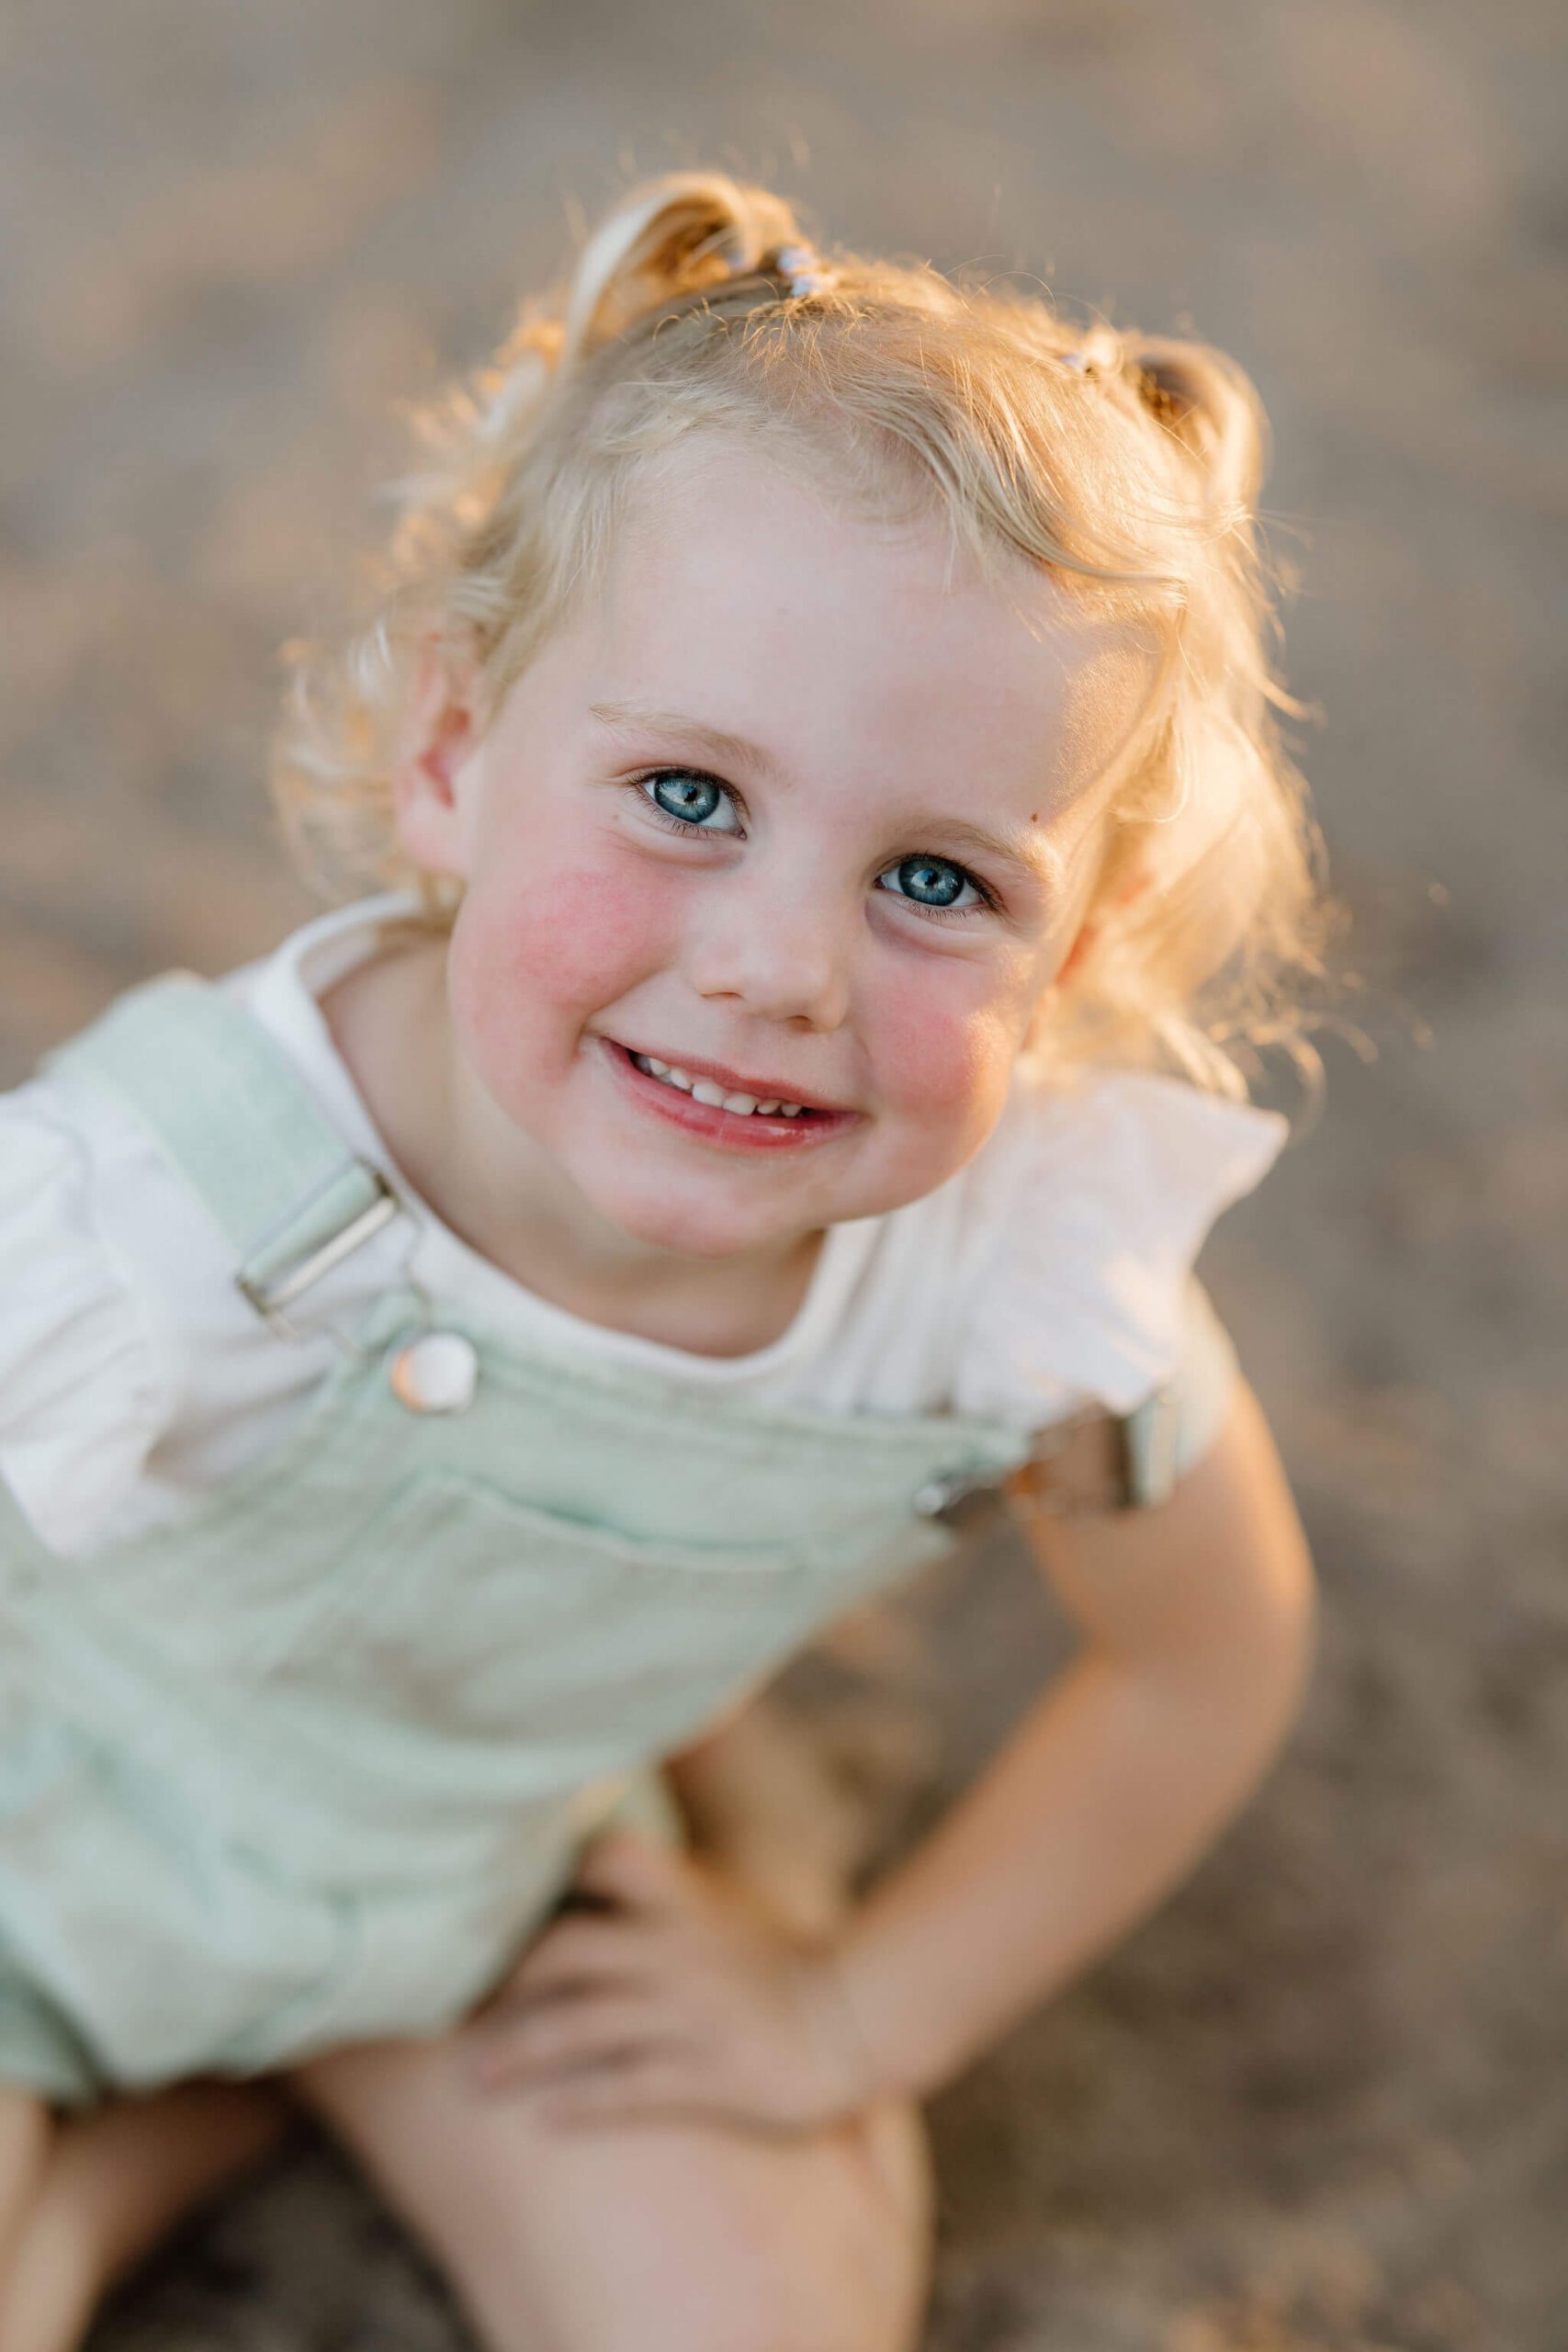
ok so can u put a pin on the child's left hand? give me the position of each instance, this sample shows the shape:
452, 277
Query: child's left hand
685, 1996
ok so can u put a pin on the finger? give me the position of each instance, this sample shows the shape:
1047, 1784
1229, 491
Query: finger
550, 1980
583, 1950
663, 2081
565, 2035
627, 1864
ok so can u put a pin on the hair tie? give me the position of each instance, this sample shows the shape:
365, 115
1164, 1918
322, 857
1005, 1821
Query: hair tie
804, 271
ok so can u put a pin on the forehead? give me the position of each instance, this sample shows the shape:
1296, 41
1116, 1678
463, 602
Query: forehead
744, 593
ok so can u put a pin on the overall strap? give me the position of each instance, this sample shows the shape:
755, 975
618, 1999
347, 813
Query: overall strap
229, 1111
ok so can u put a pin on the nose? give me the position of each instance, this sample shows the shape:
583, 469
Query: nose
781, 958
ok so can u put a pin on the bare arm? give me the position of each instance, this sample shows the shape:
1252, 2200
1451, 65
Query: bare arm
1196, 1616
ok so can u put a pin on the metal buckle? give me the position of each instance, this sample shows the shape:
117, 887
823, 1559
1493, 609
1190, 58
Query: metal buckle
1150, 1438
281, 1279
958, 1498
963, 1497
1099, 1462
1093, 1461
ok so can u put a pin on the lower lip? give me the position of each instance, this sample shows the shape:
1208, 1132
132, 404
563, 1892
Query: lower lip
731, 1130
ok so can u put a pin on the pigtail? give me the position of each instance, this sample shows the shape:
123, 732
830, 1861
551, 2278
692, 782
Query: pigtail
670, 238
1207, 406
675, 236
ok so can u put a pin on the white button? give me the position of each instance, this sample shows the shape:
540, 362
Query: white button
436, 1373
934, 1496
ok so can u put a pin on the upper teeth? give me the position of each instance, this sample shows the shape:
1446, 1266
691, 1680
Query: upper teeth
703, 1089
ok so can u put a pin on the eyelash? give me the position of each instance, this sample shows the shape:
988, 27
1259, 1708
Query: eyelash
678, 826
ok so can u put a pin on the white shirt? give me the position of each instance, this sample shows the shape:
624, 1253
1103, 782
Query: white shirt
1052, 1271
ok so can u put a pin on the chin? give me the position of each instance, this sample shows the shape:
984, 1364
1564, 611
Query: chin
686, 1227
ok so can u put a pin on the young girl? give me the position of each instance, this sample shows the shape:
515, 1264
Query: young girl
811, 765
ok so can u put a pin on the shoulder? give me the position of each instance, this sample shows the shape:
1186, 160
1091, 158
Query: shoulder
1092, 1206
89, 1370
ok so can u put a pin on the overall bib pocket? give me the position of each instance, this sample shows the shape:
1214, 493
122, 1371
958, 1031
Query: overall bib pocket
464, 1609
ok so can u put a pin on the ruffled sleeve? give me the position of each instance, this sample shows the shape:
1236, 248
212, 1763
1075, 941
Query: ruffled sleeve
1095, 1202
85, 1384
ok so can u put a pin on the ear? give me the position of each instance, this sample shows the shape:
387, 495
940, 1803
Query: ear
1088, 933
1131, 886
437, 739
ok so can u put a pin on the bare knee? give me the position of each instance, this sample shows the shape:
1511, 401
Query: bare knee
46, 2283
840, 2266
649, 2238
109, 2184
692, 2320
26, 2127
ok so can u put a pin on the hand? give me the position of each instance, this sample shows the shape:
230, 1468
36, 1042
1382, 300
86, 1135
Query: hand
682, 1997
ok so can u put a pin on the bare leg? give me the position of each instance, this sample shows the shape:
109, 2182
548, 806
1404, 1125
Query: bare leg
25, 2133
108, 2184
659, 2237
643, 2237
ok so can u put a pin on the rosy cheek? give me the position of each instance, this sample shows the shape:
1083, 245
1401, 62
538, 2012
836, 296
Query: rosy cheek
599, 933
940, 1059
587, 938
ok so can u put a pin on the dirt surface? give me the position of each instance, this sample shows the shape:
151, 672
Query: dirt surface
1318, 2105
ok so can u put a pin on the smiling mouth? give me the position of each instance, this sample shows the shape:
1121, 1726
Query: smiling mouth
741, 1098
720, 1107
707, 1090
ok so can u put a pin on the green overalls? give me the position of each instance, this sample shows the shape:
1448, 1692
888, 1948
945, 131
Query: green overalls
309, 1763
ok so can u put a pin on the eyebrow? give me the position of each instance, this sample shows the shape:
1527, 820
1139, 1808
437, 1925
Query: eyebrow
1039, 860
732, 749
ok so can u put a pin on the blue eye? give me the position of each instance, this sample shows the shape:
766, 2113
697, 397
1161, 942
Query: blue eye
689, 799
933, 883
683, 800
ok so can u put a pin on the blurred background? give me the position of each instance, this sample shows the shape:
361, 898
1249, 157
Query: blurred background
1319, 2104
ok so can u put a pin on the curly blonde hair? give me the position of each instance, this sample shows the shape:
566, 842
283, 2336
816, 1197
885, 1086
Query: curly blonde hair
1126, 466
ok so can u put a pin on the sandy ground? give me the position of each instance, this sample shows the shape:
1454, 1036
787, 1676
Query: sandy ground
1318, 2105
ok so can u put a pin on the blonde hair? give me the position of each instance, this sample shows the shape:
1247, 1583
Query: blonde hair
1126, 466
